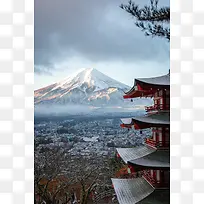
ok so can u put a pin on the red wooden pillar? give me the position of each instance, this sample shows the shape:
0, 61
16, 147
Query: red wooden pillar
164, 100
157, 135
163, 137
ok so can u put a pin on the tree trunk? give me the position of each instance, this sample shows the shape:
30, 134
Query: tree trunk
84, 198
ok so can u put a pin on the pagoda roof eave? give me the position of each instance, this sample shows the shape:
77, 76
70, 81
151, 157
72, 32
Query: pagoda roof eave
133, 88
154, 120
145, 157
159, 159
163, 80
138, 93
127, 121
132, 191
161, 118
128, 154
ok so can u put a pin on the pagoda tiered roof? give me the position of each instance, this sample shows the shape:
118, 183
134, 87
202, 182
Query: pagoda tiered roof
151, 160
159, 81
146, 87
157, 160
139, 190
128, 154
159, 119
145, 157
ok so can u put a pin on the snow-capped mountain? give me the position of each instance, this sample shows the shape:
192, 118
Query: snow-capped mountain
87, 87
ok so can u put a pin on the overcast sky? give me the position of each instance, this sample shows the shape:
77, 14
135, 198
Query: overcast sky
75, 34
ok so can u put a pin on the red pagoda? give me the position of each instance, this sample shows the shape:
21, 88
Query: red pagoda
151, 161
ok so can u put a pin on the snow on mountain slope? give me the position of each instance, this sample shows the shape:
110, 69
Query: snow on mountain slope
87, 87
92, 77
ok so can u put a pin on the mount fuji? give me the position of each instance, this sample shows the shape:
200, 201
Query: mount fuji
88, 87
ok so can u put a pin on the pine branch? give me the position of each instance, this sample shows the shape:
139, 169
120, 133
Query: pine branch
150, 19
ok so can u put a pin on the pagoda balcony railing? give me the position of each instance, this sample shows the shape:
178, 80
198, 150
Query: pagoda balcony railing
157, 107
156, 130
159, 131
157, 144
157, 184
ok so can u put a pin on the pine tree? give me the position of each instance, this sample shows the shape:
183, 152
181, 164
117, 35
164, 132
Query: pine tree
152, 20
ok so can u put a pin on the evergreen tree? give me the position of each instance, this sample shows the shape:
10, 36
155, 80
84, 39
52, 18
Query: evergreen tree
152, 20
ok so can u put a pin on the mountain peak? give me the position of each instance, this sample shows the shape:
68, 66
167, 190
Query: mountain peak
91, 77
84, 86
89, 69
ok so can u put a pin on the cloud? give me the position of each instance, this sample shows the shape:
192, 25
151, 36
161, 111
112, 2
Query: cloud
41, 69
98, 31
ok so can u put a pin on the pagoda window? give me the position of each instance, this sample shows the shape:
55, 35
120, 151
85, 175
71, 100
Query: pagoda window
128, 170
160, 92
154, 136
159, 129
157, 138
160, 136
152, 173
158, 175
